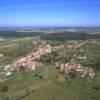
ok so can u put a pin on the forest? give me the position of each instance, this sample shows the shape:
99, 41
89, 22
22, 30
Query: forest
70, 36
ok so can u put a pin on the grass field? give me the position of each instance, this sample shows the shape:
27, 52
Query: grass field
92, 52
44, 84
12, 48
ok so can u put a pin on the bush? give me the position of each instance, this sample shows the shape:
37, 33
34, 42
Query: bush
36, 75
6, 98
96, 87
40, 77
69, 82
4, 88
72, 75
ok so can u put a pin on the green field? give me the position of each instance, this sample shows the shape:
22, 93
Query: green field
64, 55
15, 47
92, 52
46, 83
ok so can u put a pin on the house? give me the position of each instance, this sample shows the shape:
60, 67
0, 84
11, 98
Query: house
34, 67
1, 55
91, 74
62, 67
8, 74
82, 57
7, 67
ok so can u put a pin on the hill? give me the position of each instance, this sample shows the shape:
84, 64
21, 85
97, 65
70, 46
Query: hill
70, 36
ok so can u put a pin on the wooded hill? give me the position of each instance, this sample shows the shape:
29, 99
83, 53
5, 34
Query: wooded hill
70, 36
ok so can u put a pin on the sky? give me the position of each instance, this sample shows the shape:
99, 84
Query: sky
49, 12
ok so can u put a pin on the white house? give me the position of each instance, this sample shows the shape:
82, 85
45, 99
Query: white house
8, 73
7, 67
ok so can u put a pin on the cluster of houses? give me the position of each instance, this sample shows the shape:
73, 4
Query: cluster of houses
76, 44
67, 68
71, 44
42, 51
27, 62
30, 60
7, 71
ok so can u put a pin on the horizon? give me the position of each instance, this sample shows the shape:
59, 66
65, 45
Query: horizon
51, 13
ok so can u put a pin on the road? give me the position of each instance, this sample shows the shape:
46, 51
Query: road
8, 46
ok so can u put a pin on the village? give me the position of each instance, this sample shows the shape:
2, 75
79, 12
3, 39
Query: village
29, 62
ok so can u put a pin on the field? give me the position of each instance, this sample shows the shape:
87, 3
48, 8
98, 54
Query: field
15, 47
92, 52
47, 84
